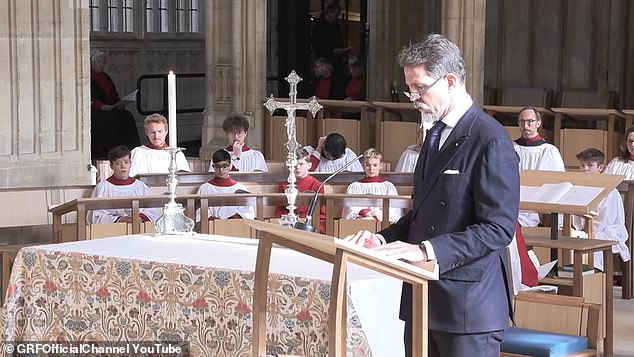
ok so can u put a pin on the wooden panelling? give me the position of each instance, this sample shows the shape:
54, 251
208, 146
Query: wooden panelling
396, 137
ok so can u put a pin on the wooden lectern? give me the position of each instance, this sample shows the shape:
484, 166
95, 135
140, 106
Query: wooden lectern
339, 253
590, 191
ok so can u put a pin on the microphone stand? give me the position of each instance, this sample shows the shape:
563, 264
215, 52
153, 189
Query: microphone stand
306, 226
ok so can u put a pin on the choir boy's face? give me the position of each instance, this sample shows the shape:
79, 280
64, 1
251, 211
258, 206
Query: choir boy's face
156, 133
303, 165
372, 166
121, 167
238, 135
221, 169
591, 167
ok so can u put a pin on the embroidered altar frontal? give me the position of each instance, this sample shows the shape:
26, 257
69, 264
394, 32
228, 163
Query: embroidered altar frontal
141, 288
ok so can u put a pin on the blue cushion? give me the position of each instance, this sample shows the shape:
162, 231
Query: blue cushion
541, 343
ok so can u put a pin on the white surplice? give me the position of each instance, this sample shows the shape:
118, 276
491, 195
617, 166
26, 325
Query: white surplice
384, 188
544, 157
609, 224
407, 161
326, 165
146, 160
107, 189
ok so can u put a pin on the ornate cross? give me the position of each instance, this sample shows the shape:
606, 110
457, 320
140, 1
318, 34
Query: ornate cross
292, 145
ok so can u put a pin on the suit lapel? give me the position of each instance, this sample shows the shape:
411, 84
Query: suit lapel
450, 148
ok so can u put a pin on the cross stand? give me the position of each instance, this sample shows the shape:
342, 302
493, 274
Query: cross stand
292, 145
173, 221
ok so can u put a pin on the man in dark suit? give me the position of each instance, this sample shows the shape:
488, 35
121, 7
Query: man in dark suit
466, 199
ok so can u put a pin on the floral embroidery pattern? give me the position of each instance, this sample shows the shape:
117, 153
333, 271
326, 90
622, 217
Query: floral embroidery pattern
73, 297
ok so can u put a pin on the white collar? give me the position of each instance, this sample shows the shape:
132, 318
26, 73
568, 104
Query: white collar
452, 118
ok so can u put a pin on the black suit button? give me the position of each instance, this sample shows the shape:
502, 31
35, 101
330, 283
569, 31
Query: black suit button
442, 204
431, 229
413, 224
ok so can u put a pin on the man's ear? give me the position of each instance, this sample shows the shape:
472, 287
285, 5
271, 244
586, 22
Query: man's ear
452, 80
309, 164
381, 166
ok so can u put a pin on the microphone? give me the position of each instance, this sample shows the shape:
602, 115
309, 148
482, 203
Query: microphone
306, 226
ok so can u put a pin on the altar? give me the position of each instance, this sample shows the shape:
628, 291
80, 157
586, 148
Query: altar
197, 289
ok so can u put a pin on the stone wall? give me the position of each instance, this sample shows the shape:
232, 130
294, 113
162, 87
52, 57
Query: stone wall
44, 93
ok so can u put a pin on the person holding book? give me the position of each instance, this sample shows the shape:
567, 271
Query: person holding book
305, 184
624, 163
609, 224
120, 184
535, 154
110, 124
372, 184
223, 184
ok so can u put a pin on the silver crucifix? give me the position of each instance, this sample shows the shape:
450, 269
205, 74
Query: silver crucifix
292, 145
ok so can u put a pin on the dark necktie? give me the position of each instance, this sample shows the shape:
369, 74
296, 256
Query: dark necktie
432, 143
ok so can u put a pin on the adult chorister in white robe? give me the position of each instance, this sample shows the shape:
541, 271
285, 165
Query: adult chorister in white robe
609, 224
250, 160
226, 186
147, 159
371, 186
113, 187
409, 158
321, 164
618, 166
536, 154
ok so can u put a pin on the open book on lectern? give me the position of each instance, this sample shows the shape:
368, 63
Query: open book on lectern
324, 247
565, 192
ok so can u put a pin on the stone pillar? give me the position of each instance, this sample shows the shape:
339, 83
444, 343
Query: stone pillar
44, 93
236, 69
393, 25
463, 22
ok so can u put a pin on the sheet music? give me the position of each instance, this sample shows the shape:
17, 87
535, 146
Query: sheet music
130, 97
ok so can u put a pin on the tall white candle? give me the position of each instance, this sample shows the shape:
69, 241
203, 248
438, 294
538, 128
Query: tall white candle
171, 101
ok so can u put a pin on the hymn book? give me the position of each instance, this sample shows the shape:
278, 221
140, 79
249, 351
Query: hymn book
561, 193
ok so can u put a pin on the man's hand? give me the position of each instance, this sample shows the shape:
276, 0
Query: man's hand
364, 238
403, 250
107, 108
237, 148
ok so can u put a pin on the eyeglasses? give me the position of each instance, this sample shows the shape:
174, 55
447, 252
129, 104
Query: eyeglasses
417, 95
526, 121
221, 166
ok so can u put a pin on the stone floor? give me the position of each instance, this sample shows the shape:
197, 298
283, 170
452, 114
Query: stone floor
623, 325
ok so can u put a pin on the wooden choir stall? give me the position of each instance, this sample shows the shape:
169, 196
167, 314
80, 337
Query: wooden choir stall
573, 193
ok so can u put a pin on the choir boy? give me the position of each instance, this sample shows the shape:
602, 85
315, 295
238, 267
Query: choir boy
223, 184
120, 184
372, 184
